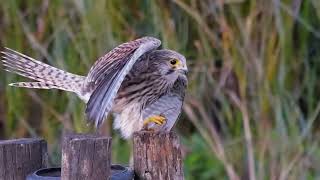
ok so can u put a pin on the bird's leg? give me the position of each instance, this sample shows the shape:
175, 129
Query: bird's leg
158, 119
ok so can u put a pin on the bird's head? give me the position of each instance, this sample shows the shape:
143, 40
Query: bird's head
170, 64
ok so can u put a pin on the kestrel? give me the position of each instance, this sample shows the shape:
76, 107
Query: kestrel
142, 86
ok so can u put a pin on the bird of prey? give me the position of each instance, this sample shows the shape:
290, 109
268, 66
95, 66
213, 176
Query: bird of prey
142, 86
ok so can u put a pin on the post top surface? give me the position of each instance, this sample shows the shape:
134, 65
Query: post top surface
80, 137
21, 141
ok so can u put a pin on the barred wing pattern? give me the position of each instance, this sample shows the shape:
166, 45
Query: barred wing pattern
107, 74
169, 105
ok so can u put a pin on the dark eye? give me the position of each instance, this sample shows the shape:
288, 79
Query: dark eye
173, 62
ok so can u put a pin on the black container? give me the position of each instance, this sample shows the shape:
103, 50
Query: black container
118, 172
46, 174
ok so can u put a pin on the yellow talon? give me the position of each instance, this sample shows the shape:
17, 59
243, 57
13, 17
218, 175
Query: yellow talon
158, 119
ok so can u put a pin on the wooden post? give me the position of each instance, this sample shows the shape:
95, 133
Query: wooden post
2, 113
20, 157
86, 157
157, 156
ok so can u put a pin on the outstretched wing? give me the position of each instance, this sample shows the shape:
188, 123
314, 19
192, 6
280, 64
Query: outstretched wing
107, 74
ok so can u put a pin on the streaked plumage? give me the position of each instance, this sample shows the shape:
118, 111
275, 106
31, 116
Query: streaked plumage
134, 81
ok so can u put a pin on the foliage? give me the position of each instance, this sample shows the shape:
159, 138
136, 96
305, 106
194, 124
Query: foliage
252, 109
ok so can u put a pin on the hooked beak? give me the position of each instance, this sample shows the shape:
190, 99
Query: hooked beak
183, 71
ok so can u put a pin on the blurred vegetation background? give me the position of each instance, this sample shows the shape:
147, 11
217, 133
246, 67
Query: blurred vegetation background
252, 109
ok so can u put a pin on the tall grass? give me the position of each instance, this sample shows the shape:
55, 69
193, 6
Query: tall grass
252, 109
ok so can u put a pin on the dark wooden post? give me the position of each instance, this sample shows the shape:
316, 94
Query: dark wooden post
2, 113
157, 156
86, 157
20, 157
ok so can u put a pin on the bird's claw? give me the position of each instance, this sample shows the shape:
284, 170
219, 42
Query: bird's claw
158, 119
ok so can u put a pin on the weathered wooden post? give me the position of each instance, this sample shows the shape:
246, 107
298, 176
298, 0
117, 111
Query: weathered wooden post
86, 157
20, 157
157, 156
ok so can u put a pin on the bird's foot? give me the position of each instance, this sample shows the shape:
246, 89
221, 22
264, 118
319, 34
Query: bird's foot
158, 119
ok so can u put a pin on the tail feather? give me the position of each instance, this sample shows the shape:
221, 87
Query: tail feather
48, 77
36, 85
21, 72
